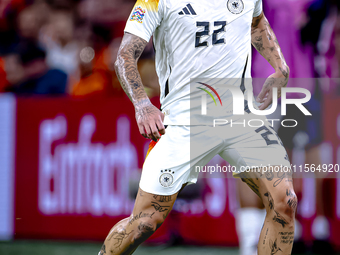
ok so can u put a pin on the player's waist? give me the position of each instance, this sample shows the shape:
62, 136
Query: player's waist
198, 113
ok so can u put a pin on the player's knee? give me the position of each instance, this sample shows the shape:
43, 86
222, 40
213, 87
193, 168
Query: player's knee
286, 205
291, 203
144, 230
158, 220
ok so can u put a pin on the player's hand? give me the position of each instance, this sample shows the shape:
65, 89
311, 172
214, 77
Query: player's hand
279, 80
149, 120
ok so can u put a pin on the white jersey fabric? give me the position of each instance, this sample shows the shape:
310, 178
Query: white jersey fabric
203, 38
178, 156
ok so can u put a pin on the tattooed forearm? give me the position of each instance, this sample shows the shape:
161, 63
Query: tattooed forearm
256, 20
265, 42
284, 72
258, 43
126, 67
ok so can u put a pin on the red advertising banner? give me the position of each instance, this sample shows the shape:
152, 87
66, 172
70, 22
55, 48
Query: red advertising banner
78, 163
74, 163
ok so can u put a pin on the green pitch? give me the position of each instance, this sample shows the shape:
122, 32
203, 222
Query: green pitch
91, 248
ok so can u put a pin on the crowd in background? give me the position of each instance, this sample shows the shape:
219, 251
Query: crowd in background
69, 46
65, 47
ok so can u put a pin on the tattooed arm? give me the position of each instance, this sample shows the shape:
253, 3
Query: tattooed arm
265, 42
149, 118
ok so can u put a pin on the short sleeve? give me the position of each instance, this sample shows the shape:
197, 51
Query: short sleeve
258, 8
145, 17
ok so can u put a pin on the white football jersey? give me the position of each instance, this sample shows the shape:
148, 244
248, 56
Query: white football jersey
202, 38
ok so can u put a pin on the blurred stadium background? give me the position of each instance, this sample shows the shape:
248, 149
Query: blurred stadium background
71, 154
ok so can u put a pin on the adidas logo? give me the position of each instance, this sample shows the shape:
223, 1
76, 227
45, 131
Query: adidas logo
188, 10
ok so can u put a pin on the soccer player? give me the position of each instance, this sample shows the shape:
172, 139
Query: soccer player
202, 39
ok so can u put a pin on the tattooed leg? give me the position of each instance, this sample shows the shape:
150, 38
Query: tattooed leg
277, 193
148, 215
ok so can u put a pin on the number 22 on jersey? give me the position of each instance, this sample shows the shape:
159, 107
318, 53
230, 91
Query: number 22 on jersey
220, 25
